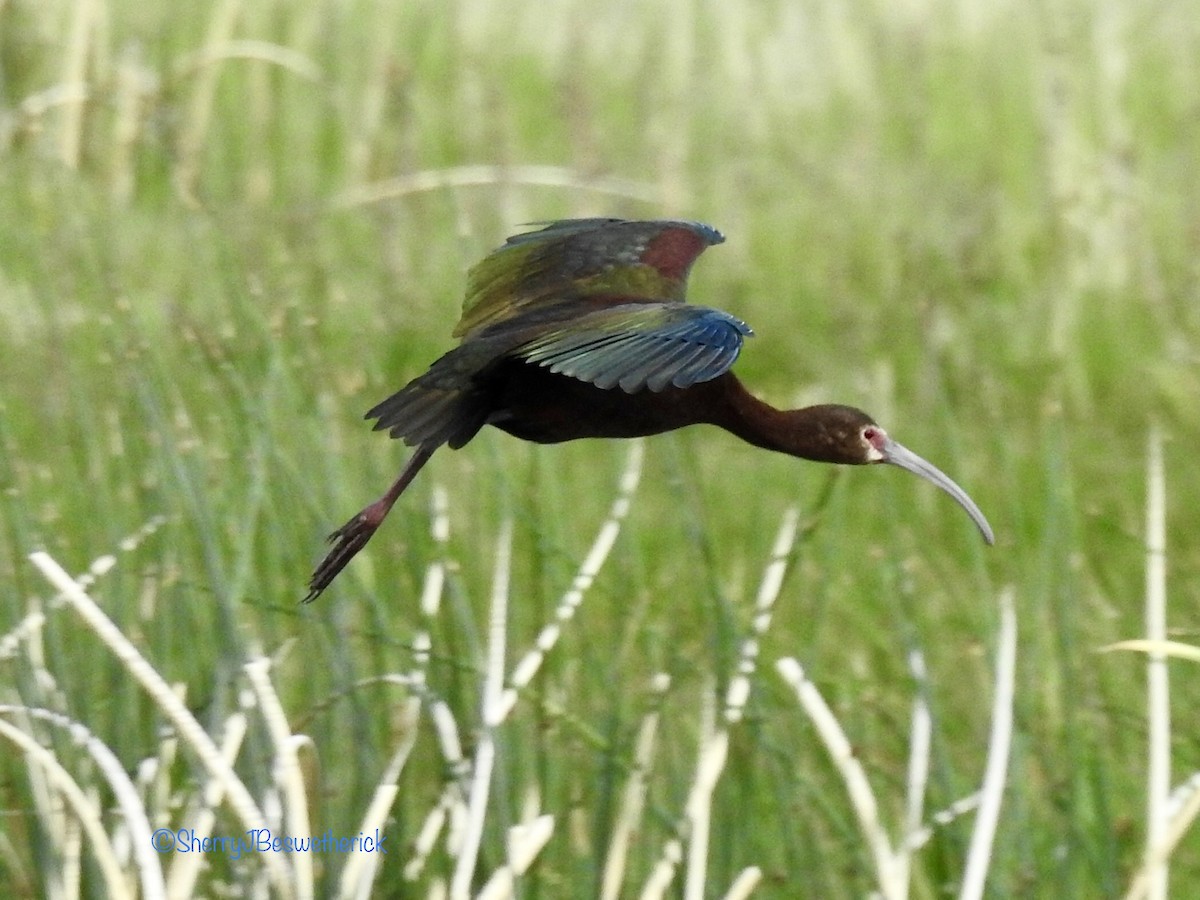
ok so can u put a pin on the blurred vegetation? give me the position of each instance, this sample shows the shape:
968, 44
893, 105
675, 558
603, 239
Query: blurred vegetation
228, 229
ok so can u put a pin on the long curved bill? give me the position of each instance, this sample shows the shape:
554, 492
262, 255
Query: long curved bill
899, 455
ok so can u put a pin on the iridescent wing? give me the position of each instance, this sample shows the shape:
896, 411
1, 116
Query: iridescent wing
600, 300
599, 260
640, 345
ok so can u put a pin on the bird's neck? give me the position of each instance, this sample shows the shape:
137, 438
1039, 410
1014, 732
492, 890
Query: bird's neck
796, 432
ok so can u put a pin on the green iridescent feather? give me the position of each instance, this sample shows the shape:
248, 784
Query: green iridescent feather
579, 258
598, 300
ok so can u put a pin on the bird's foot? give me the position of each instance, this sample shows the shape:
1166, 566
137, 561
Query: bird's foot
347, 541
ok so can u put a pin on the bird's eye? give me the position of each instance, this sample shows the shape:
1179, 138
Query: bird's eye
873, 436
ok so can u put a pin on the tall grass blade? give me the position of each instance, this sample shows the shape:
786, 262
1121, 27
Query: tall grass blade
493, 715
919, 742
634, 798
714, 751
995, 776
1158, 708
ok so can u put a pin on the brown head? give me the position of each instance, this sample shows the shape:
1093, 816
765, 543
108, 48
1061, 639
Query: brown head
843, 434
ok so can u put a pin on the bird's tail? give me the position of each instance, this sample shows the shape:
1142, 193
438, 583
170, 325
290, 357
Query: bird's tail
444, 406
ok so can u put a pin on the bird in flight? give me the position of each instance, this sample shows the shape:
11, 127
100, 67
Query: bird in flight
581, 329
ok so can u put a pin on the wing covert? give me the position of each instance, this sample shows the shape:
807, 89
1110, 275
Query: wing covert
628, 261
638, 346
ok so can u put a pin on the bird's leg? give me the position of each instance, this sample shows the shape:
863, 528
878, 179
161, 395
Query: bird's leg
353, 536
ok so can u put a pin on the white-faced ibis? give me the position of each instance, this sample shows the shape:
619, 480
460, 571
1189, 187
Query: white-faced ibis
581, 330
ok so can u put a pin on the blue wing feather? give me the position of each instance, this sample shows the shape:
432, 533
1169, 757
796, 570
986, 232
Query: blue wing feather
641, 346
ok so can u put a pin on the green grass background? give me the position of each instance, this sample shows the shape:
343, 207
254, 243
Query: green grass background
979, 222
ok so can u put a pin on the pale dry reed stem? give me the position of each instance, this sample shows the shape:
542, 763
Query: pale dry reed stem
451, 807
841, 753
664, 871
893, 869
377, 90
135, 85
287, 774
548, 637
199, 114
477, 176
494, 712
714, 751
991, 791
435, 575
633, 800
426, 838
276, 55
185, 867
87, 814
919, 744
525, 842
714, 745
738, 692
1163, 830
242, 803
1177, 649
445, 727
492, 715
1187, 813
958, 808
1186, 804
132, 810
455, 792
431, 590
100, 566
743, 886
358, 874
1158, 708
450, 804
79, 48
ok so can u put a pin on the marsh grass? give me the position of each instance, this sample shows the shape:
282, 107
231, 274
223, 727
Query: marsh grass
227, 229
